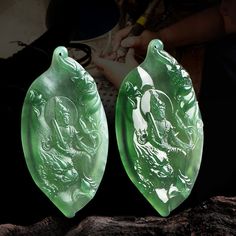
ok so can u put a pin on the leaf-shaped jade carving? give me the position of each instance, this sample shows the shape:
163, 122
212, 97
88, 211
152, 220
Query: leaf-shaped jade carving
159, 129
64, 134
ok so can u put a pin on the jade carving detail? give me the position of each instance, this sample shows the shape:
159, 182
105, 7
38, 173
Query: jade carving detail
64, 134
159, 129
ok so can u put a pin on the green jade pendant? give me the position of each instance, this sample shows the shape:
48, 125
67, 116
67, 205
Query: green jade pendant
159, 129
64, 134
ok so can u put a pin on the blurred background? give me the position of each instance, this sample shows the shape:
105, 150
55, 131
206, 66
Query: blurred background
21, 21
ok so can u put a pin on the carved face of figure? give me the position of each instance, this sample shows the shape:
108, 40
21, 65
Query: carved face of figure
63, 115
66, 118
159, 109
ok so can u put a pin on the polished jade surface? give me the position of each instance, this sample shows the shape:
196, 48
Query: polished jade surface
64, 134
159, 129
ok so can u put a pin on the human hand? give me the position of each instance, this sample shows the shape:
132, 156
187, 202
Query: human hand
115, 71
139, 43
119, 36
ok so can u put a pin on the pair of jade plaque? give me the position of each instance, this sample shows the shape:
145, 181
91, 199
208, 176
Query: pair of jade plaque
159, 131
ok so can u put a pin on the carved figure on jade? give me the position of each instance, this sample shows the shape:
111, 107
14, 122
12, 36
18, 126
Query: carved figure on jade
64, 133
159, 129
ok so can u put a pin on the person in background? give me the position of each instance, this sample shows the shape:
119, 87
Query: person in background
210, 24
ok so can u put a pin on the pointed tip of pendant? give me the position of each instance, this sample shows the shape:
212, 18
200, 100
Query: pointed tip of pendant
60, 51
156, 44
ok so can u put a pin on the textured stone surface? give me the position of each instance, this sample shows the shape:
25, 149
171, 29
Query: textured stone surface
48, 226
216, 216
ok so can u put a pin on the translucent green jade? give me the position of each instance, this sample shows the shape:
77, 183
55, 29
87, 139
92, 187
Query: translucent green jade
64, 134
159, 129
